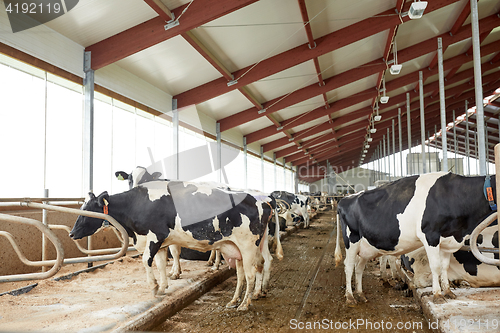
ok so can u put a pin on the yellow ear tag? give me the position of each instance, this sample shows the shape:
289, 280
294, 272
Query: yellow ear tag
105, 208
120, 177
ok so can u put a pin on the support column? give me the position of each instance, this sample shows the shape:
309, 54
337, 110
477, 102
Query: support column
478, 87
442, 105
275, 173
422, 119
394, 147
219, 153
455, 143
384, 155
408, 119
88, 124
296, 185
284, 174
262, 168
467, 143
400, 141
389, 154
175, 141
245, 161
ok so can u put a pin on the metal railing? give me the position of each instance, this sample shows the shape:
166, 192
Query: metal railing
483, 225
98, 255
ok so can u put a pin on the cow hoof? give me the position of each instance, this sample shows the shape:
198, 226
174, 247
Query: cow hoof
155, 290
400, 286
175, 276
243, 307
386, 284
350, 301
438, 299
449, 294
210, 263
215, 268
160, 293
232, 304
362, 298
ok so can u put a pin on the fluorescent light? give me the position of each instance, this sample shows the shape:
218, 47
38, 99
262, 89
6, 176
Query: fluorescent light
417, 9
395, 69
367, 146
365, 151
384, 99
369, 139
377, 117
373, 130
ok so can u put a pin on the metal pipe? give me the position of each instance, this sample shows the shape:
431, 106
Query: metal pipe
467, 144
422, 118
384, 155
388, 154
284, 173
429, 150
219, 152
400, 141
175, 142
275, 173
437, 154
106, 217
245, 162
442, 104
455, 143
478, 86
473, 238
408, 119
50, 235
45, 221
394, 147
262, 168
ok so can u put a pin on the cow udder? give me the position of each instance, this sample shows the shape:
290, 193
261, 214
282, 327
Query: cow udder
230, 252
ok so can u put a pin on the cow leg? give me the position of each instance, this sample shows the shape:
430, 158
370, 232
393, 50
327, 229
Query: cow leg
262, 279
250, 273
306, 218
360, 267
175, 272
383, 270
211, 260
240, 273
435, 266
153, 246
161, 264
445, 284
349, 263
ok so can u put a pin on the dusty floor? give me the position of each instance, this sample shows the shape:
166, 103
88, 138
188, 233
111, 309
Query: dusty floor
90, 302
306, 290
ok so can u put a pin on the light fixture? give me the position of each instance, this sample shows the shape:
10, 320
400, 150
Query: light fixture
367, 146
373, 129
395, 68
377, 117
365, 151
363, 156
417, 9
369, 139
384, 99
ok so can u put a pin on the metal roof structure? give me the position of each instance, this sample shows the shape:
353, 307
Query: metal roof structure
298, 77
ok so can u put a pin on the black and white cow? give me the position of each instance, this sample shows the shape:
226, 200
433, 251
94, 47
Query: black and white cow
193, 216
298, 203
434, 210
138, 176
464, 266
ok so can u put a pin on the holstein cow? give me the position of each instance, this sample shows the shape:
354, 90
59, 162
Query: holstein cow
436, 210
464, 266
193, 216
140, 175
298, 203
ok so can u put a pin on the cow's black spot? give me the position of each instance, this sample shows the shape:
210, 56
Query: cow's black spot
468, 261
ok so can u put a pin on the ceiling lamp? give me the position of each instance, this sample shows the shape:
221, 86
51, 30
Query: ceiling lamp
363, 156
373, 129
383, 99
395, 68
417, 9
369, 139
367, 146
365, 151
377, 117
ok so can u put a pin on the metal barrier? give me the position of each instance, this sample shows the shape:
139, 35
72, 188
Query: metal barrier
483, 225
100, 256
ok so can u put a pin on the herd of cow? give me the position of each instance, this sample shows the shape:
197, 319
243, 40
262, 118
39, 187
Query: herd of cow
424, 219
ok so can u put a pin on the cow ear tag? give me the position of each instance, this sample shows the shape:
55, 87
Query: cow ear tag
105, 208
120, 177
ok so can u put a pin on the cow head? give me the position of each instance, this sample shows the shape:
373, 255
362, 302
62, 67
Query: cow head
138, 176
86, 226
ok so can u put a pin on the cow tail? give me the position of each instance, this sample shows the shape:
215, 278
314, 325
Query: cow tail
338, 252
279, 248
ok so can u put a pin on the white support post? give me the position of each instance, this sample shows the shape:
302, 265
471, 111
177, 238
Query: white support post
478, 87
262, 168
400, 141
467, 139
442, 105
394, 147
219, 153
175, 141
422, 119
455, 143
408, 120
245, 162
